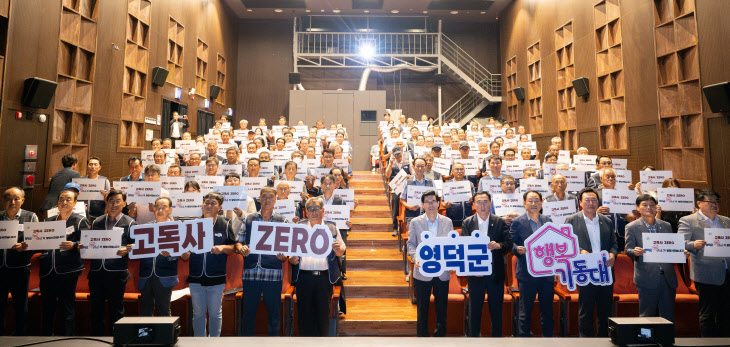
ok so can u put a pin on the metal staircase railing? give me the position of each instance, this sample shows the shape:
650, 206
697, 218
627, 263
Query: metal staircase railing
464, 106
470, 68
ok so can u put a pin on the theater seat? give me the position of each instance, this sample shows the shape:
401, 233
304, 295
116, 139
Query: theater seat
535, 322
486, 324
454, 309
568, 310
686, 311
624, 289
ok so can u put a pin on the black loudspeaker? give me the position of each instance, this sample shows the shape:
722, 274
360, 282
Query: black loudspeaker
38, 92
214, 90
295, 78
159, 76
520, 93
439, 79
718, 97
581, 86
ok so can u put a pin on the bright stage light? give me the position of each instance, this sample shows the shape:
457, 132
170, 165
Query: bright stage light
367, 50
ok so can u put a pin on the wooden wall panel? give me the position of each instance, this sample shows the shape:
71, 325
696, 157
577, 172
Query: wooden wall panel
719, 135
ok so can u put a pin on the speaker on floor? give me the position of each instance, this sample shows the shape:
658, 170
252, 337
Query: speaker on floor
718, 97
214, 90
520, 93
295, 78
38, 92
159, 76
439, 79
581, 86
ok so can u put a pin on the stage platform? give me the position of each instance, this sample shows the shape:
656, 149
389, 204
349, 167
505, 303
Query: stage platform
366, 341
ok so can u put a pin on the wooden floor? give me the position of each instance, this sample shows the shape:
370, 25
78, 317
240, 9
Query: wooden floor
376, 290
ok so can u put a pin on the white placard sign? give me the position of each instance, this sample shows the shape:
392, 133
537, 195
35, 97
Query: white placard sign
224, 170
620, 164
564, 156
492, 186
718, 242
101, 244
183, 144
121, 185
471, 166
442, 166
575, 179
173, 184
585, 162
187, 204
548, 171
505, 204
44, 235
189, 172
467, 255
398, 180
338, 214
176, 238
267, 169
542, 186
663, 248
676, 199
415, 193
558, 211
619, 201
286, 209
298, 240
254, 185
347, 195
233, 196
652, 180
208, 182
341, 163
90, 188
623, 179
456, 191
143, 193
295, 188
9, 233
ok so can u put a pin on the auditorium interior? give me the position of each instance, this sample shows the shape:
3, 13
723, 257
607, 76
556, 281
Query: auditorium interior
641, 82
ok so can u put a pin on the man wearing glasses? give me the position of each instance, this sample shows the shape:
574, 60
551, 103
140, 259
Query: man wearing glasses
315, 277
594, 180
710, 274
412, 211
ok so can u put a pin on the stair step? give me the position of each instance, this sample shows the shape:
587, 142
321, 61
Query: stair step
371, 239
376, 284
354, 184
374, 259
372, 224
366, 176
378, 317
369, 191
370, 211
373, 200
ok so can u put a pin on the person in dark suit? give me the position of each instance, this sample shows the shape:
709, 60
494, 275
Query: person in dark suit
530, 287
108, 277
15, 262
656, 283
500, 243
593, 179
710, 274
595, 233
441, 226
60, 268
59, 181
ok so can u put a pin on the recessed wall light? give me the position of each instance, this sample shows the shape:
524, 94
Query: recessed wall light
454, 12
483, 12
307, 11
278, 10
249, 10
321, 10
336, 11
424, 12
394, 11
367, 11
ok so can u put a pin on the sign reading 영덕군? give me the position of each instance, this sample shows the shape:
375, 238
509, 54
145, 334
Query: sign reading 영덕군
467, 255
101, 244
619, 201
291, 239
553, 250
663, 248
176, 238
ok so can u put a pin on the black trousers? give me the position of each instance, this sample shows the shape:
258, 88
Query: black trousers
314, 293
423, 301
59, 291
15, 282
542, 288
592, 297
106, 286
154, 294
394, 206
714, 308
494, 290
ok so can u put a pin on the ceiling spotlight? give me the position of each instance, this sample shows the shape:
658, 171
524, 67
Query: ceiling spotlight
394, 11
249, 10
278, 10
367, 11
321, 10
424, 12
483, 12
336, 11
307, 11
367, 50
454, 12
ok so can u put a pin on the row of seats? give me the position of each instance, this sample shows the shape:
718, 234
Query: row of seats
182, 307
